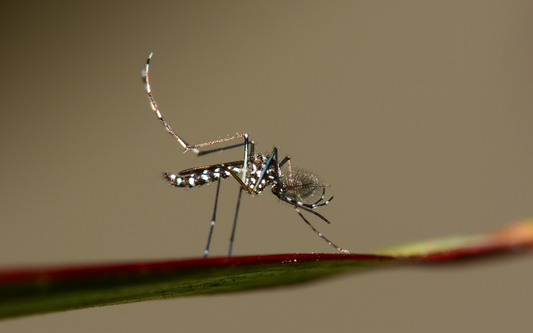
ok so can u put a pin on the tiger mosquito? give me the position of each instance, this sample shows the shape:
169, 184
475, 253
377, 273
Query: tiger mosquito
255, 173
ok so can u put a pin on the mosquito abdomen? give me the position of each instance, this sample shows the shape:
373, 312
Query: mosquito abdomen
200, 178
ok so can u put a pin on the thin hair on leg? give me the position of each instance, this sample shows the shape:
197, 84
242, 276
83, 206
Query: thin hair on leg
153, 104
232, 238
340, 249
212, 221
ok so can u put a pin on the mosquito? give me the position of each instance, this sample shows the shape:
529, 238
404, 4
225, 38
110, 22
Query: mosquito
255, 173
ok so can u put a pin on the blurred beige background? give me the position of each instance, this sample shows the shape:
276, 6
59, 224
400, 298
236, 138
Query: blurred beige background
418, 114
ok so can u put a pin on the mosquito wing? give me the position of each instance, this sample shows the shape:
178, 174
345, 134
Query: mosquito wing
191, 171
